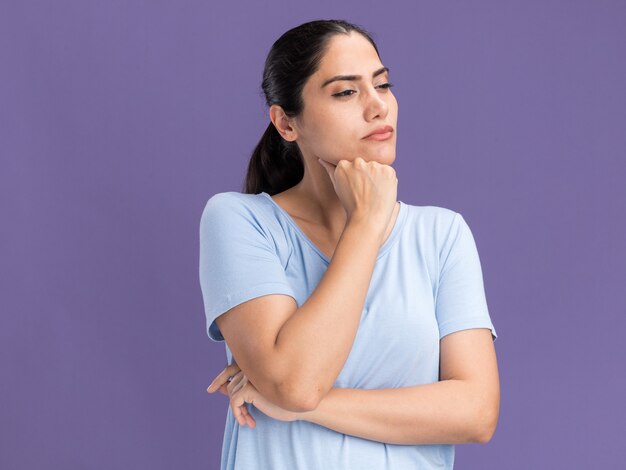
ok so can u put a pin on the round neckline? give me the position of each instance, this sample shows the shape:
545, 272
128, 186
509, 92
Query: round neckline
382, 250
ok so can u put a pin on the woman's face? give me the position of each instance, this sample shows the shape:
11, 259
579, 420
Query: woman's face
332, 126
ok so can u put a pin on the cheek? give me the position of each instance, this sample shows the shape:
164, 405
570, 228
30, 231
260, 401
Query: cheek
337, 131
336, 146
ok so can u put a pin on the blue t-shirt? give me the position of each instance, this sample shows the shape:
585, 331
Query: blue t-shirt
427, 283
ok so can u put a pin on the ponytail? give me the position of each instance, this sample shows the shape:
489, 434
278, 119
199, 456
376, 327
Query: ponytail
275, 166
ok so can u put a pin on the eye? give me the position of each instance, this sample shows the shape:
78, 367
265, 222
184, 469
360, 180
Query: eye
384, 86
344, 93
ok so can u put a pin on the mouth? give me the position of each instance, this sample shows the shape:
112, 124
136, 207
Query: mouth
382, 133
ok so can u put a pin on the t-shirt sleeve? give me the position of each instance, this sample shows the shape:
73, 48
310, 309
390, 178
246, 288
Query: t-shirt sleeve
460, 299
238, 259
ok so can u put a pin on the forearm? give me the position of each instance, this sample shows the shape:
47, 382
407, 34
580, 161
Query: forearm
445, 412
320, 334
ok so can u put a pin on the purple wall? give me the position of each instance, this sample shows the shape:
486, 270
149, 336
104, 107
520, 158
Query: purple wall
118, 120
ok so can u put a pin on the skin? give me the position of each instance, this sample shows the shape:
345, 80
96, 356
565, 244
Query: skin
463, 406
332, 128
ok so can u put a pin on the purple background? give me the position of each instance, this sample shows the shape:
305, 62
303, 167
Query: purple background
118, 121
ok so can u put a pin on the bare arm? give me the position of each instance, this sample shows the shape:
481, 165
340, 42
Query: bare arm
461, 408
321, 333
294, 355
271, 339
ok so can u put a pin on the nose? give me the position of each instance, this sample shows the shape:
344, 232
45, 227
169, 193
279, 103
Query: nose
376, 105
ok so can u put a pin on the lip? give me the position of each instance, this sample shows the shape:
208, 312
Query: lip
382, 133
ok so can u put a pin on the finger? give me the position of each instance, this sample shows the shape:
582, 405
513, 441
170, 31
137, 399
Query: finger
327, 165
239, 385
217, 384
234, 385
250, 421
235, 405
213, 383
222, 377
242, 410
229, 371
236, 379
330, 169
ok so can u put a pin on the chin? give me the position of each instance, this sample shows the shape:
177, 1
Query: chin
384, 157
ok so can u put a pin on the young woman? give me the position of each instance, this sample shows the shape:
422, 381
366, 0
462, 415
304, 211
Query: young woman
356, 326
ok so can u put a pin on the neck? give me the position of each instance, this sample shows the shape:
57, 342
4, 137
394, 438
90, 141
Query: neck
317, 198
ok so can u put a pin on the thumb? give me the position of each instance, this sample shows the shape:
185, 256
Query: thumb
330, 169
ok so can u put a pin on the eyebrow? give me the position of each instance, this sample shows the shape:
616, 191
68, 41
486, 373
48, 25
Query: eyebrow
353, 77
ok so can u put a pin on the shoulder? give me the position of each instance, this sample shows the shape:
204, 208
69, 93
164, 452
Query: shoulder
439, 228
436, 220
229, 201
231, 213
233, 207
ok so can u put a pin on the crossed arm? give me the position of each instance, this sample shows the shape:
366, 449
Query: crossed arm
462, 407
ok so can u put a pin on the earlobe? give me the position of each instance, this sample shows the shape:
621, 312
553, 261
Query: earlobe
282, 123
289, 134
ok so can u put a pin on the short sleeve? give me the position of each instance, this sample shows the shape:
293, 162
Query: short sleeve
460, 299
238, 259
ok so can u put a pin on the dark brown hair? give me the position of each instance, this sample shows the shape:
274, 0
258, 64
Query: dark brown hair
276, 164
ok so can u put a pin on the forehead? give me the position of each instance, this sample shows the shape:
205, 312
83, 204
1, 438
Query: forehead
347, 55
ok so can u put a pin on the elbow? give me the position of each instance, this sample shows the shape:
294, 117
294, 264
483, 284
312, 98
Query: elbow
299, 404
308, 403
484, 435
297, 400
485, 413
487, 422
296, 391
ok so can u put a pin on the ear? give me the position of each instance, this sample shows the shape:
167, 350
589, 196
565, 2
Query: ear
284, 125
